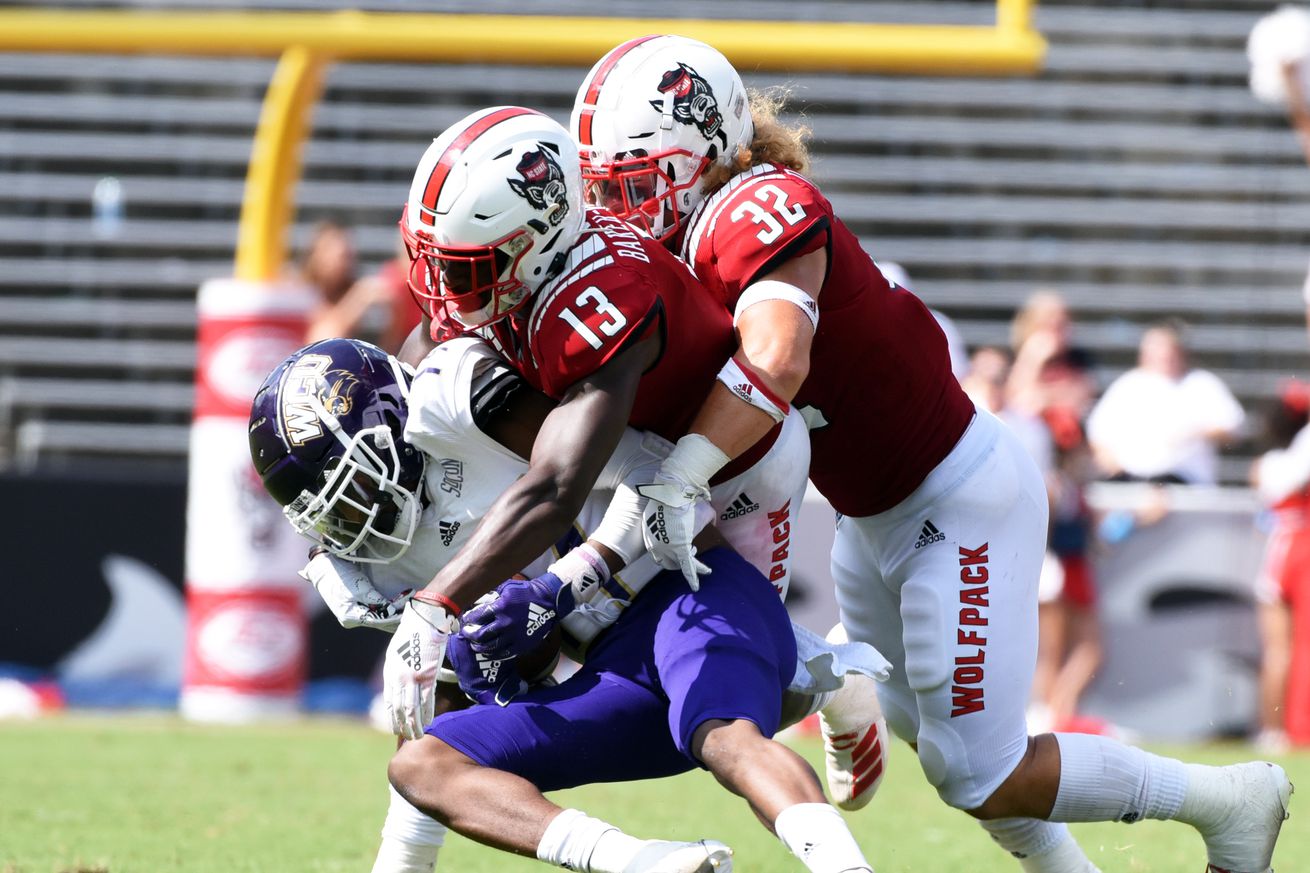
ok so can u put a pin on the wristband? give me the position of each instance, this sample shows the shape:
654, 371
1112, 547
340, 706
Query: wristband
582, 569
432, 598
751, 388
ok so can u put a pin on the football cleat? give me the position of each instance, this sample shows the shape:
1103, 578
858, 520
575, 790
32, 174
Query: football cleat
1257, 804
667, 856
854, 738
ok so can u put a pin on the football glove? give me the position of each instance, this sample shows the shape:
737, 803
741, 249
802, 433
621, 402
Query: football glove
520, 613
485, 679
517, 616
413, 658
678, 505
348, 593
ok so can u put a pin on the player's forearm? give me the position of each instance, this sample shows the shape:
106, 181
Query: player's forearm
526, 521
775, 355
729, 422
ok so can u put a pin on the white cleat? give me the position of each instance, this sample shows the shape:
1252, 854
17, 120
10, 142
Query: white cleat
855, 739
667, 856
1244, 841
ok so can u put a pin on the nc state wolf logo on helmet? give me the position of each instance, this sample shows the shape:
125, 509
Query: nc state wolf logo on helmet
542, 184
693, 102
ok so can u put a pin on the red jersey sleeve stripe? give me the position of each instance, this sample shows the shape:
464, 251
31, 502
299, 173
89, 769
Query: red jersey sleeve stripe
456, 148
616, 55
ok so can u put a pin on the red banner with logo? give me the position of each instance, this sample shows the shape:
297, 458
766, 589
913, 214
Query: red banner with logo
246, 627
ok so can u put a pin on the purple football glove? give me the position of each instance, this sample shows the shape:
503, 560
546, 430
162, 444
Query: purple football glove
518, 617
484, 679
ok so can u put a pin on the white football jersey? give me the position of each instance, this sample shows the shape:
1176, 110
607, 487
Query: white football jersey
467, 470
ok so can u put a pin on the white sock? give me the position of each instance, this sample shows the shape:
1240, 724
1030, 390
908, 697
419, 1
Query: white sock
410, 839
398, 856
577, 841
817, 834
1104, 780
1040, 846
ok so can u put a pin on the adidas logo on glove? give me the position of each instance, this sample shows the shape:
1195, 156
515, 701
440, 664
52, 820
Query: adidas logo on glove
538, 615
489, 667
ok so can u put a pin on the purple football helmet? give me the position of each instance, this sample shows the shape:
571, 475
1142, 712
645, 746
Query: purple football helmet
327, 439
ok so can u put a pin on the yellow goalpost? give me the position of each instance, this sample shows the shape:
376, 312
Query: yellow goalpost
306, 42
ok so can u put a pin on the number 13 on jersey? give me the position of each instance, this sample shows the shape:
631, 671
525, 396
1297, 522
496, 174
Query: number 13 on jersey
595, 299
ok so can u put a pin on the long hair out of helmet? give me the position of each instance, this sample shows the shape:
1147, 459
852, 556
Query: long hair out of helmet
327, 439
652, 116
495, 205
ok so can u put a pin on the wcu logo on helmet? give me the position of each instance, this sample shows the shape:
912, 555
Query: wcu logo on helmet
327, 439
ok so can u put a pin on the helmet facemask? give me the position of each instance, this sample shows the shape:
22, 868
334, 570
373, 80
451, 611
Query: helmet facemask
644, 189
366, 507
472, 286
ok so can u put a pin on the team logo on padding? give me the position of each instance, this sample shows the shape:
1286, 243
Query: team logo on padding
693, 102
542, 183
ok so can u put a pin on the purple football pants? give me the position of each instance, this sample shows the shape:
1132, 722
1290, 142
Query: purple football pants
674, 660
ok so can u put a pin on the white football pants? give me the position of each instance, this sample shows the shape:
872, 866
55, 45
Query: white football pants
757, 510
945, 585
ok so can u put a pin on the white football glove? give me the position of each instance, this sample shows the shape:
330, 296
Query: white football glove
678, 505
348, 592
414, 656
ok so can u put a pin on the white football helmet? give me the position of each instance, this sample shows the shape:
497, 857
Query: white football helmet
650, 118
495, 205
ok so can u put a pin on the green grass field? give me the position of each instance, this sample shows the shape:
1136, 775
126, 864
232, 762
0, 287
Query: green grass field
147, 794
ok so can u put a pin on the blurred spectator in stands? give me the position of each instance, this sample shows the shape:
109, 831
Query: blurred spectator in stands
955, 347
1051, 377
1279, 51
1163, 421
1052, 381
377, 307
985, 383
1281, 476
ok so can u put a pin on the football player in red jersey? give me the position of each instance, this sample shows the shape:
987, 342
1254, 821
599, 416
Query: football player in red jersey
617, 330
943, 531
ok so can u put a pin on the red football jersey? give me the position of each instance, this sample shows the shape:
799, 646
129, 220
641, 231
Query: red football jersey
617, 287
883, 405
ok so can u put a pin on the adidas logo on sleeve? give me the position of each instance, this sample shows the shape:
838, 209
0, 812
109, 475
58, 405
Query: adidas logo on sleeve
928, 535
447, 530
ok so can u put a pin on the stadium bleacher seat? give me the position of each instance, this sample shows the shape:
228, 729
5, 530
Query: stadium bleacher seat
1135, 174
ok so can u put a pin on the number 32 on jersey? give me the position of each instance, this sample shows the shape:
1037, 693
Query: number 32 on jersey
772, 228
612, 320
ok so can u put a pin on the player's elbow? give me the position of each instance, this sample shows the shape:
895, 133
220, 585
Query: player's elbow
783, 367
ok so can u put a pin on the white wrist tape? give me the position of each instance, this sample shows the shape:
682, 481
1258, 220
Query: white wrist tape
772, 289
694, 461
620, 529
750, 387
